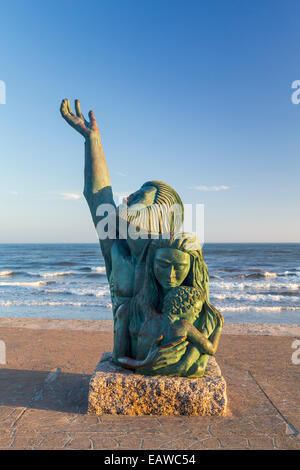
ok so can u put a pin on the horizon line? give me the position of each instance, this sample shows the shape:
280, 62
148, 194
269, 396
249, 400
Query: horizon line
96, 243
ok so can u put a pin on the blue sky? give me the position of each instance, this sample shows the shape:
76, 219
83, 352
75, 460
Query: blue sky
194, 93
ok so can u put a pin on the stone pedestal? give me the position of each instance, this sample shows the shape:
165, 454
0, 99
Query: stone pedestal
114, 390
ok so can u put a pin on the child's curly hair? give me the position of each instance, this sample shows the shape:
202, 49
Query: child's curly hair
180, 299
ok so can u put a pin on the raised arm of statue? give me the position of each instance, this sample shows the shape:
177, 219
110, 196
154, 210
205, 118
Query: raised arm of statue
97, 185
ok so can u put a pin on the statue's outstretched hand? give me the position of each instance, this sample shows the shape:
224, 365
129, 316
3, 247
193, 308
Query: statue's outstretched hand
158, 356
80, 124
151, 356
169, 353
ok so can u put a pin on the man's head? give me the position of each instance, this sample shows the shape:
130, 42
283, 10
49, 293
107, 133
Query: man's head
145, 196
154, 209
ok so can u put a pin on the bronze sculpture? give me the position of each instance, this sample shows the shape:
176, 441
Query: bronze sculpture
163, 321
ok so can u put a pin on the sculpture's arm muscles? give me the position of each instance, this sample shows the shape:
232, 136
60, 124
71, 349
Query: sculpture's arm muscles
205, 332
200, 341
121, 335
97, 191
97, 185
199, 347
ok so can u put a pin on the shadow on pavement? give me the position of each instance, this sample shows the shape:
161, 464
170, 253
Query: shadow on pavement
47, 390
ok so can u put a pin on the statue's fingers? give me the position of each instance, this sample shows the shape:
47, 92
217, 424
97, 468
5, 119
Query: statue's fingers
70, 119
171, 353
174, 343
92, 116
178, 347
64, 108
69, 107
159, 366
175, 349
161, 361
73, 120
164, 363
169, 359
78, 110
93, 120
67, 117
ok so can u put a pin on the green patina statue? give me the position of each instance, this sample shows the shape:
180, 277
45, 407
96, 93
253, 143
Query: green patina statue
179, 340
163, 321
180, 318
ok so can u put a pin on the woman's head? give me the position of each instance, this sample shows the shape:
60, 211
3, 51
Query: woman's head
173, 262
170, 266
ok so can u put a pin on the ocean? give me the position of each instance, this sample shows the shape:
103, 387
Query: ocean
248, 282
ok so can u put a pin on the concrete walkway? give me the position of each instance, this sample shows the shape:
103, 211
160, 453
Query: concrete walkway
44, 388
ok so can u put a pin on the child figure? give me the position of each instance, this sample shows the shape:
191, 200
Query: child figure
180, 323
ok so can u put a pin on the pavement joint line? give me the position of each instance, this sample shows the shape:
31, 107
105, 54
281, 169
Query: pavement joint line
8, 416
291, 430
193, 442
68, 441
214, 437
23, 411
170, 443
118, 443
13, 439
92, 444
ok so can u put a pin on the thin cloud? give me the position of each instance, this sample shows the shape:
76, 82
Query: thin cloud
70, 196
210, 188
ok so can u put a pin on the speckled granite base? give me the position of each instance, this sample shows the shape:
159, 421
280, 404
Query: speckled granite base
114, 390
